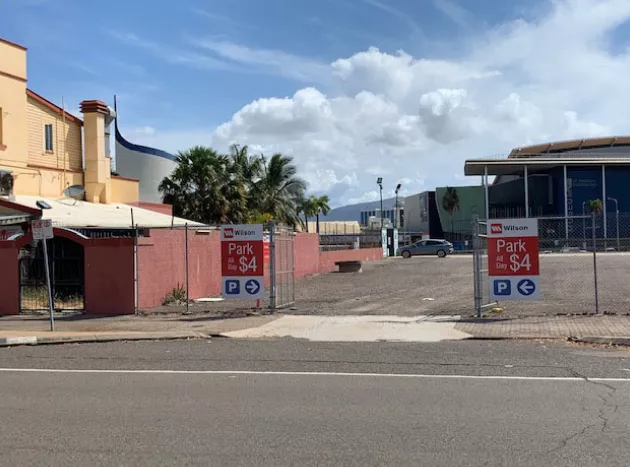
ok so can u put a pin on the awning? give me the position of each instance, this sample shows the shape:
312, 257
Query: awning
15, 219
516, 166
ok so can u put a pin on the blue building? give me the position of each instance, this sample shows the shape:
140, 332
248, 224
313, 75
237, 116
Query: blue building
558, 180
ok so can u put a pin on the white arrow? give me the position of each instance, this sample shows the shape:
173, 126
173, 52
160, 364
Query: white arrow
252, 287
526, 288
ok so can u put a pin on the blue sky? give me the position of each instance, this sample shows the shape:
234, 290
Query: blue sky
305, 77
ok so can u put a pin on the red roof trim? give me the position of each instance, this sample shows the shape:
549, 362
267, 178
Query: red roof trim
20, 207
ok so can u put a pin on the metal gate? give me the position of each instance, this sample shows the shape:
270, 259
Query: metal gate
281, 266
66, 262
480, 266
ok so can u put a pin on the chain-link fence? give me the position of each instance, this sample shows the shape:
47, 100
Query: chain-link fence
584, 267
329, 242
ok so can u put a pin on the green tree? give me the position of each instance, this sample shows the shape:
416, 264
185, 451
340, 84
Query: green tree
237, 188
306, 207
450, 203
279, 190
202, 189
320, 206
595, 206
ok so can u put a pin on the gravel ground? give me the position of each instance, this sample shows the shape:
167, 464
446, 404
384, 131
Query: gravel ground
434, 286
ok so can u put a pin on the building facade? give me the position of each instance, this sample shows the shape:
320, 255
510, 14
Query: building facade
48, 152
44, 150
558, 180
148, 165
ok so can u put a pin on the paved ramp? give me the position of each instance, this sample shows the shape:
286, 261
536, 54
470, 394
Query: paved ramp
358, 328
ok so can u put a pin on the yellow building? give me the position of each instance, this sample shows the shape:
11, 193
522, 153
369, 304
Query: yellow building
44, 150
41, 148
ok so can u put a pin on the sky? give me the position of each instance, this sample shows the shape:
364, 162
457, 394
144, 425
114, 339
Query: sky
406, 90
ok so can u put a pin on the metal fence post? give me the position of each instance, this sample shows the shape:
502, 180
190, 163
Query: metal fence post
135, 270
476, 268
187, 278
595, 264
272, 266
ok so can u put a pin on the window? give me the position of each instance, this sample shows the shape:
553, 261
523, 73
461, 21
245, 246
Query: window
48, 136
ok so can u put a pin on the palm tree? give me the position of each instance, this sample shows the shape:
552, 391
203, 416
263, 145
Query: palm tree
217, 189
202, 188
450, 203
305, 206
595, 206
320, 206
279, 190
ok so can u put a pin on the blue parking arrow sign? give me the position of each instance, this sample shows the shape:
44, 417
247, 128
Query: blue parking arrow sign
252, 286
526, 287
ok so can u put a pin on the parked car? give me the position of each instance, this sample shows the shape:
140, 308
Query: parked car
426, 247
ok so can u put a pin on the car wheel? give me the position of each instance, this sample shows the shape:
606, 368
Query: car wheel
406, 254
441, 253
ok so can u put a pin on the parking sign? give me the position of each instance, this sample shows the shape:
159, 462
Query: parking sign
242, 261
513, 262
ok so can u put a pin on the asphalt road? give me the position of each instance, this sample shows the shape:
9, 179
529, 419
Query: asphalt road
288, 402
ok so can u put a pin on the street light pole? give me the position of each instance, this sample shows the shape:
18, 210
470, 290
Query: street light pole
379, 181
614, 200
396, 216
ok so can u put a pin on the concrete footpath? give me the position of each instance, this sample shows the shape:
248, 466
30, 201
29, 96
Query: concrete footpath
20, 330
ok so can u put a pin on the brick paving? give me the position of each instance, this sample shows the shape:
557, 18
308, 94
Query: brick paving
548, 327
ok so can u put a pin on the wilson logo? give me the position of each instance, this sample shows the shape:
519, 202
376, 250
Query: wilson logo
496, 228
229, 233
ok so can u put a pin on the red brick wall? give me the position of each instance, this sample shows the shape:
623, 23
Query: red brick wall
162, 266
327, 258
109, 287
9, 279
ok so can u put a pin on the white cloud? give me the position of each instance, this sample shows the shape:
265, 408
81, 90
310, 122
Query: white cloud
274, 62
418, 119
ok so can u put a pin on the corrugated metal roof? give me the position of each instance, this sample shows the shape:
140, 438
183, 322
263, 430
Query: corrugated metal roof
12, 219
74, 213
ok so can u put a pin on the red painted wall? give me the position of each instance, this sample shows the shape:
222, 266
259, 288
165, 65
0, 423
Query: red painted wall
109, 286
162, 266
9, 279
155, 207
306, 254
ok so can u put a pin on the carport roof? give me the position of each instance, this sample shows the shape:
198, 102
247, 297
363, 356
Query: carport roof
76, 213
13, 219
514, 166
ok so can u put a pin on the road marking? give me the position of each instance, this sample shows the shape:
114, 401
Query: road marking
314, 373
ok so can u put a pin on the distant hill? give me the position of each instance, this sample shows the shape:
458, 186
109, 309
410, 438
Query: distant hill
352, 212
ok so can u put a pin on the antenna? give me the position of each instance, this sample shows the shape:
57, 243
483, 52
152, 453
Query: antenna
76, 192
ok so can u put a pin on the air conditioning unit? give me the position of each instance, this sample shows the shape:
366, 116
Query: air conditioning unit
6, 184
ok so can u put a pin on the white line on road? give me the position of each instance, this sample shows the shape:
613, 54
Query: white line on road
314, 373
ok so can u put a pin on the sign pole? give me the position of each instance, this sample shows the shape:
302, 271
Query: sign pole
42, 229
48, 287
